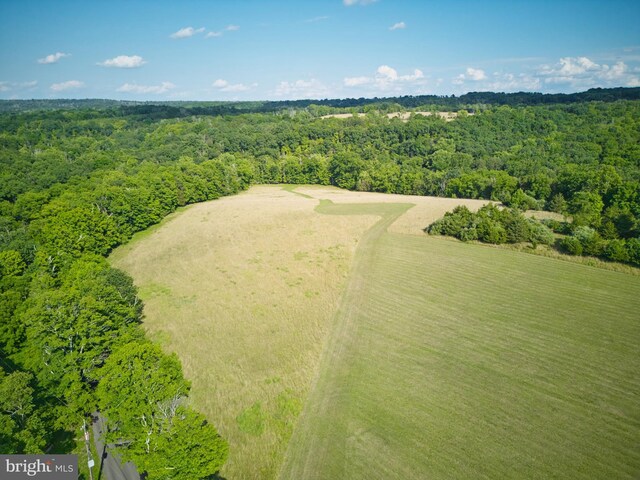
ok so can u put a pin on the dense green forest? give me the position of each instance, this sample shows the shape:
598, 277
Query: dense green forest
75, 182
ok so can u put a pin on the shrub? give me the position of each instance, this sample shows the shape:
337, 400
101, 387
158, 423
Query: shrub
590, 240
557, 204
608, 230
633, 250
489, 211
615, 250
557, 226
571, 245
522, 201
539, 233
460, 211
452, 223
586, 208
435, 228
468, 233
490, 231
516, 226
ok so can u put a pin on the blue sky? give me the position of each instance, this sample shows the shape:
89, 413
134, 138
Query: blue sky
256, 50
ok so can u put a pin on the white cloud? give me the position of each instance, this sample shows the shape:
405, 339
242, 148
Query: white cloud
567, 74
356, 81
236, 87
124, 61
225, 86
302, 89
398, 26
474, 74
416, 75
386, 78
350, 3
459, 80
616, 71
156, 89
187, 32
508, 82
53, 58
385, 72
70, 85
228, 28
7, 86
498, 81
576, 66
582, 73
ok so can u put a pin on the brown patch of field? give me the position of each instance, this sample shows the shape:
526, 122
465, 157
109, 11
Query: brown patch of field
343, 115
404, 116
542, 215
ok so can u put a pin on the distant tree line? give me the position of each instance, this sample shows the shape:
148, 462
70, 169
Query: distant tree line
76, 183
178, 109
472, 98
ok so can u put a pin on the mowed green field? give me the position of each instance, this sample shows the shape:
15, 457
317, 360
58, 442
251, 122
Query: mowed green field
439, 360
450, 360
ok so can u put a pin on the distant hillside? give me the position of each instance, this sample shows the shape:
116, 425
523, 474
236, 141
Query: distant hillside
173, 109
64, 104
475, 98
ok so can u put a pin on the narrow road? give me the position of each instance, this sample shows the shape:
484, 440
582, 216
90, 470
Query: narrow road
108, 464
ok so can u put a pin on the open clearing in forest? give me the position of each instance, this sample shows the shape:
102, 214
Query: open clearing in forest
409, 356
404, 116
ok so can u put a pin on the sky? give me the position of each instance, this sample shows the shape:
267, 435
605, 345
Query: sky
279, 50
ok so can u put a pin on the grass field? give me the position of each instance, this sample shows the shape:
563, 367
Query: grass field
461, 361
243, 289
431, 359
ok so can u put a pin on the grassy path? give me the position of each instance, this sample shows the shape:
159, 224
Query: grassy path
317, 448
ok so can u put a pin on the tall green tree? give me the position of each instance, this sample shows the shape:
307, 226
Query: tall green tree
586, 208
71, 329
142, 393
21, 427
